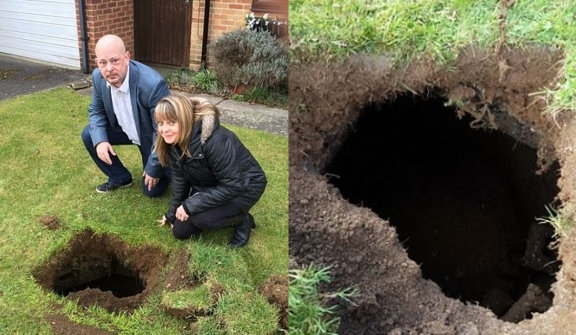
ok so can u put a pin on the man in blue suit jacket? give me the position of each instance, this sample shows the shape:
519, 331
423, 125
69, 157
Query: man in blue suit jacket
125, 94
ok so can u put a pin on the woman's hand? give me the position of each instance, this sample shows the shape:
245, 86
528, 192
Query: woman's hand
163, 221
181, 214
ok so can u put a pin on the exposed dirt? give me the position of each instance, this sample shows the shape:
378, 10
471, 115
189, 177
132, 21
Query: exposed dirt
275, 289
103, 270
50, 221
62, 325
423, 187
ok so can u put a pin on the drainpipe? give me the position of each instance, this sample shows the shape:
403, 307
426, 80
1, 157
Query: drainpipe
83, 37
205, 34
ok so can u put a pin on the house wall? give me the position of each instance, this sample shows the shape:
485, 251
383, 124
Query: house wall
225, 15
117, 17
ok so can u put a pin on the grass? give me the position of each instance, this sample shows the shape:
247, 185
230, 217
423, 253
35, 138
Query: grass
561, 219
331, 31
309, 310
46, 171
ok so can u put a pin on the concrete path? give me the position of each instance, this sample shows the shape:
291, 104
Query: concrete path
272, 120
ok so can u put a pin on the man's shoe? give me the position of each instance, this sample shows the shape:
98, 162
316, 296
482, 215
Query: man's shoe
109, 187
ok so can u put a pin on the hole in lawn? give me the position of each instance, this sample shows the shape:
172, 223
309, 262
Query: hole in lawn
105, 274
102, 270
464, 201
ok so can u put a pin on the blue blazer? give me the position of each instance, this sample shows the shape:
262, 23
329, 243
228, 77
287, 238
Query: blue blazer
147, 87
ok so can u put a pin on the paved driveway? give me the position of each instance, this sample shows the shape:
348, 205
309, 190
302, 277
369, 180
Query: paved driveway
20, 76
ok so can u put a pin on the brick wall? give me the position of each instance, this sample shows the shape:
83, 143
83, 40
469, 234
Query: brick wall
107, 17
225, 15
117, 17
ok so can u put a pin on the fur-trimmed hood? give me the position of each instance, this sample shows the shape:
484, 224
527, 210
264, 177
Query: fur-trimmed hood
209, 122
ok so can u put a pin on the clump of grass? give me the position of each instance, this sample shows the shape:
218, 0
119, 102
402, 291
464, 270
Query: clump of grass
309, 313
560, 219
207, 80
404, 30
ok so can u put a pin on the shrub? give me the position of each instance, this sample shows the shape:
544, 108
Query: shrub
181, 80
206, 80
250, 58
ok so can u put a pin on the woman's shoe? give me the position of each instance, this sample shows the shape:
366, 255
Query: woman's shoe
242, 232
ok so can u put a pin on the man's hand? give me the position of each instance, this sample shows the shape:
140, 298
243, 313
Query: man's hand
151, 182
104, 149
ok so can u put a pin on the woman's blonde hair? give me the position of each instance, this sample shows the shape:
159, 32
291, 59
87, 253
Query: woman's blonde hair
185, 111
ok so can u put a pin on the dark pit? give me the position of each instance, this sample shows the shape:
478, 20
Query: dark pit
465, 202
103, 273
101, 269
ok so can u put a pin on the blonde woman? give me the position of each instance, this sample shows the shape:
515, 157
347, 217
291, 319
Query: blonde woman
215, 178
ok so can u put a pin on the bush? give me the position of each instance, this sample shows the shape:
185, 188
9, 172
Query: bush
206, 80
181, 80
250, 58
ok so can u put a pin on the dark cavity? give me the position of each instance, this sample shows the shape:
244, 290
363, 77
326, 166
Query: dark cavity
465, 202
101, 269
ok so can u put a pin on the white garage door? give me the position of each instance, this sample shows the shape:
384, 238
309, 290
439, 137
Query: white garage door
43, 30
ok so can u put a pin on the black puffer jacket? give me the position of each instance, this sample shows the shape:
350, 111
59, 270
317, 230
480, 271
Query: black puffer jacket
221, 170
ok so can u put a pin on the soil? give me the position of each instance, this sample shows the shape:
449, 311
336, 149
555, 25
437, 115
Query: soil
50, 221
101, 269
275, 290
429, 188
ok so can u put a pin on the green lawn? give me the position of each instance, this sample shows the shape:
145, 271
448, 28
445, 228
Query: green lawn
45, 170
